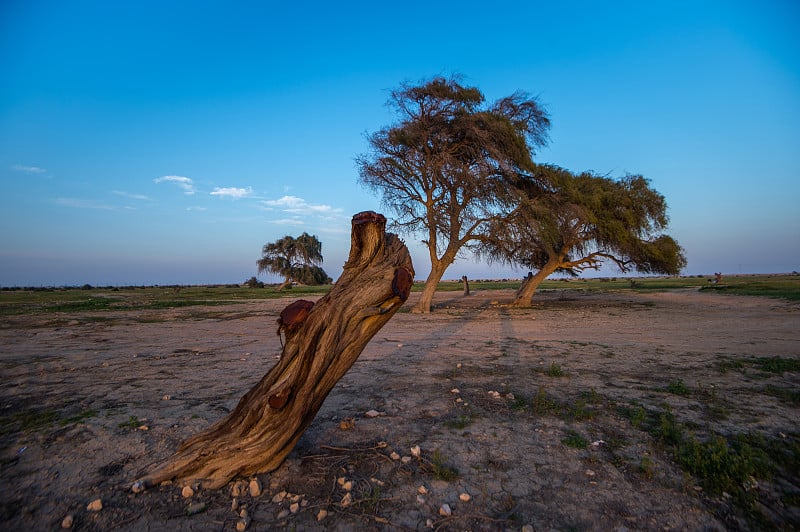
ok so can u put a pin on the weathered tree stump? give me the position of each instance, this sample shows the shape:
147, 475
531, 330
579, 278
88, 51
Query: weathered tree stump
466, 284
322, 341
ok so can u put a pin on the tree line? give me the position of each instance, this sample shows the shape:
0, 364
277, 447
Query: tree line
460, 171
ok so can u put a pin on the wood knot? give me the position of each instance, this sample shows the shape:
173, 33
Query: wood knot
279, 399
367, 217
402, 282
293, 316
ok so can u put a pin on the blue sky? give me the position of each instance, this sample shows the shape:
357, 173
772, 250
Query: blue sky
166, 142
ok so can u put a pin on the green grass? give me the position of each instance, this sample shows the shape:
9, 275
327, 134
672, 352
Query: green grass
460, 422
440, 469
776, 365
575, 440
554, 370
132, 423
678, 387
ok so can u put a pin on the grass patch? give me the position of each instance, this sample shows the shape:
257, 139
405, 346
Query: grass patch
777, 365
554, 370
440, 469
132, 423
790, 396
575, 440
461, 422
678, 387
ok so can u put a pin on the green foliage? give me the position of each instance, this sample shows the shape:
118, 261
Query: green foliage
678, 387
292, 257
440, 469
575, 440
132, 423
555, 370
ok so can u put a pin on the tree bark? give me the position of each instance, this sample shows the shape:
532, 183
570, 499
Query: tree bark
322, 341
431, 284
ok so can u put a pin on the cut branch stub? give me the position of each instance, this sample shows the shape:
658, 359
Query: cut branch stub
323, 340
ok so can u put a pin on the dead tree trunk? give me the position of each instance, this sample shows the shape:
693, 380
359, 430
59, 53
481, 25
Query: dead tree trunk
466, 284
322, 341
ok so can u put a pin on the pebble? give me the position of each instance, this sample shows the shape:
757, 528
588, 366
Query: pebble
429, 523
242, 524
234, 504
465, 497
187, 492
195, 508
347, 486
347, 500
394, 456
95, 506
527, 528
278, 498
294, 508
166, 398
458, 366
422, 490
322, 514
283, 514
405, 459
67, 521
255, 487
137, 487
373, 413
243, 513
445, 510
455, 390
415, 451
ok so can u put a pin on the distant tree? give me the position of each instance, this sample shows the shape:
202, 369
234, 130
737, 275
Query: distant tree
569, 223
291, 258
253, 282
442, 167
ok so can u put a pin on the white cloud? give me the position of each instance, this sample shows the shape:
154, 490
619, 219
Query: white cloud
184, 182
130, 196
200, 209
295, 205
232, 192
289, 221
28, 169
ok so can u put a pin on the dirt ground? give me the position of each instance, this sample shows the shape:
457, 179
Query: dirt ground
531, 413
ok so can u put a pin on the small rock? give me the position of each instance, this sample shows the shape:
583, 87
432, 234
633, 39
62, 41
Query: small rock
347, 423
429, 523
278, 498
137, 487
405, 459
373, 413
95, 506
445, 510
294, 508
255, 487
458, 366
347, 500
455, 390
527, 528
187, 492
195, 508
399, 345
341, 481
465, 497
243, 513
234, 504
67, 521
283, 514
166, 397
422, 490
415, 451
143, 427
494, 394
589, 473
322, 514
510, 396
394, 456
347, 486
242, 524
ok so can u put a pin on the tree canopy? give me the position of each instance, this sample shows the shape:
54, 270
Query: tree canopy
443, 167
565, 222
295, 259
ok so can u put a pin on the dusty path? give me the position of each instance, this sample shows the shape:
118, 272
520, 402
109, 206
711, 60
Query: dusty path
88, 403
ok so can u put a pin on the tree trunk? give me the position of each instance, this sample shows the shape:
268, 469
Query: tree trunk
431, 284
323, 340
466, 284
530, 284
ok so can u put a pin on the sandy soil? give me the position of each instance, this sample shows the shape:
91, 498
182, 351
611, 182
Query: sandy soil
91, 401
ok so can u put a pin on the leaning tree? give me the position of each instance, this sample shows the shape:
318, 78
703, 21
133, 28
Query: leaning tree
294, 259
569, 223
322, 341
443, 166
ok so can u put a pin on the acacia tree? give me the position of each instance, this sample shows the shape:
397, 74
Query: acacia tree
570, 223
443, 167
293, 258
